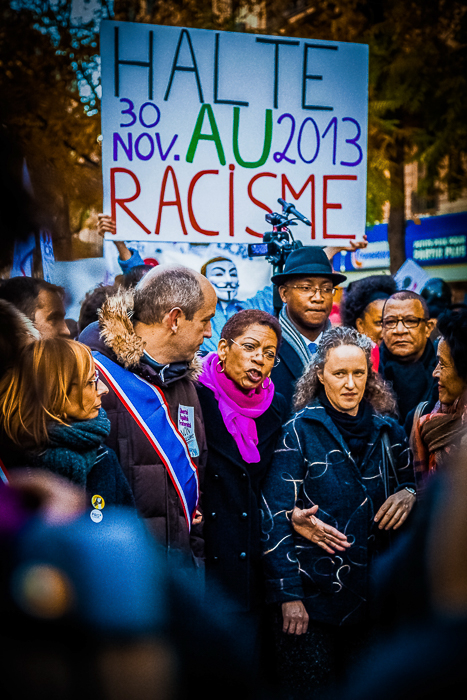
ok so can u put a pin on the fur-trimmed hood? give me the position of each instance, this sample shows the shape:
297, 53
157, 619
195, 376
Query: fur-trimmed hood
16, 332
116, 333
116, 328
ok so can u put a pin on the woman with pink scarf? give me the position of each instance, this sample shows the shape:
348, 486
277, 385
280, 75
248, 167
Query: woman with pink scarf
243, 419
435, 436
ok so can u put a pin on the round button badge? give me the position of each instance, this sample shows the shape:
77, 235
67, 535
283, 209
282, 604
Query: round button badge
98, 502
96, 516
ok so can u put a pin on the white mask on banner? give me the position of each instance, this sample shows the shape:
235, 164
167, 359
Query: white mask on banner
223, 276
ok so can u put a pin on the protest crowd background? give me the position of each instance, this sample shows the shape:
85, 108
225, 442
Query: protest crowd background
223, 471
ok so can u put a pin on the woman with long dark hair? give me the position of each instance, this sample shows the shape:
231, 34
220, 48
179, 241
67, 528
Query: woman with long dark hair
435, 436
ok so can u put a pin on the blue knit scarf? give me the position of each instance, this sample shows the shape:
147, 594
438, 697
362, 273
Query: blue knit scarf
72, 449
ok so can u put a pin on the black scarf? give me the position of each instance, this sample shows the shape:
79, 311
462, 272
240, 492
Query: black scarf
168, 372
412, 381
355, 430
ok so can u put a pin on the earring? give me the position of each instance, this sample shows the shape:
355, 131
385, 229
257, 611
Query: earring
222, 366
267, 385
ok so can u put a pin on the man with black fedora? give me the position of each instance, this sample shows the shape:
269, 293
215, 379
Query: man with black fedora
306, 287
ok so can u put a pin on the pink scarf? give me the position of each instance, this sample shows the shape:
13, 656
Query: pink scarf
238, 409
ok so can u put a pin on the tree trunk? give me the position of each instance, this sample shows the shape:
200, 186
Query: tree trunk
396, 222
61, 233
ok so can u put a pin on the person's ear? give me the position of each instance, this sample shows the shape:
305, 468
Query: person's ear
360, 325
430, 326
319, 374
283, 293
173, 318
222, 349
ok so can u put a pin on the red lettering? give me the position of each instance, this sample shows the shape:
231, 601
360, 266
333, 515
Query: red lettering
121, 201
259, 204
311, 180
177, 202
193, 221
231, 200
332, 205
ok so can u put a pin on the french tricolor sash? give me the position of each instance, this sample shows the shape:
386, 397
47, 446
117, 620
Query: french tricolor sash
147, 406
3, 473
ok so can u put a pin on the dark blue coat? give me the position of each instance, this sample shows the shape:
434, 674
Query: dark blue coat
313, 464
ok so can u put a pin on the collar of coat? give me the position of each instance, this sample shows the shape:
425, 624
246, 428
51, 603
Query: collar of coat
315, 412
117, 332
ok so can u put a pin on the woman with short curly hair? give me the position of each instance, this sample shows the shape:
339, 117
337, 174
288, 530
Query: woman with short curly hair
243, 417
344, 461
362, 305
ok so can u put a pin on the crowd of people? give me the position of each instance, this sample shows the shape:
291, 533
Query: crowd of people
279, 462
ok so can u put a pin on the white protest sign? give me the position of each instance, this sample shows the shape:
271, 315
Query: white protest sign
203, 131
410, 276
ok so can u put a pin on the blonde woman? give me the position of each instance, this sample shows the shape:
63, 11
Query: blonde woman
50, 407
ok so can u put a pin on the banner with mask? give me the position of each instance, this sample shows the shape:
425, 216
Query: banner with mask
241, 279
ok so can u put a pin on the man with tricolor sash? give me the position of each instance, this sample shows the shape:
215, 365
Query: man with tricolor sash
145, 346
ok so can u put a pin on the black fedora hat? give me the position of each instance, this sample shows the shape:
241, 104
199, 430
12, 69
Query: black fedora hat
308, 260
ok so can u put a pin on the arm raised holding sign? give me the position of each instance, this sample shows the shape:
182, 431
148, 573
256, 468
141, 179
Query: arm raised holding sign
131, 257
127, 257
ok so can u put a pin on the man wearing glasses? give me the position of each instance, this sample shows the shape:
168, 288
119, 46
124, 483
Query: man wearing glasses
306, 286
407, 355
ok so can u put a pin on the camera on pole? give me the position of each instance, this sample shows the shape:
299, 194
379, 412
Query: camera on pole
278, 243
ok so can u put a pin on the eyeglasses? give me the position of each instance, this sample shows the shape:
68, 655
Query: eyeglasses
313, 291
408, 322
251, 351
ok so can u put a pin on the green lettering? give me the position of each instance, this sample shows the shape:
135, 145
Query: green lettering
213, 136
266, 145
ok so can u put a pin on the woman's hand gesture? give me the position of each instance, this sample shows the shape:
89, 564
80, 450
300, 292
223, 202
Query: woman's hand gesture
197, 517
395, 510
295, 617
312, 528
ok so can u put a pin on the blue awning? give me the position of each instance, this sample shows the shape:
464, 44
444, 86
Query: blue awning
436, 240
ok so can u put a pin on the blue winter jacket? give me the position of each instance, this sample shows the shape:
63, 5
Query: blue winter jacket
312, 465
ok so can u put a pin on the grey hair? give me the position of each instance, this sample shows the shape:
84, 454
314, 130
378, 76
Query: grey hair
174, 287
377, 392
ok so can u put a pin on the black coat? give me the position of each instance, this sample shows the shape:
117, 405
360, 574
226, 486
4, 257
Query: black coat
412, 382
231, 499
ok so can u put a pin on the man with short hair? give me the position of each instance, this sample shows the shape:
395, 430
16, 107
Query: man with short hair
407, 355
144, 346
306, 286
40, 301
